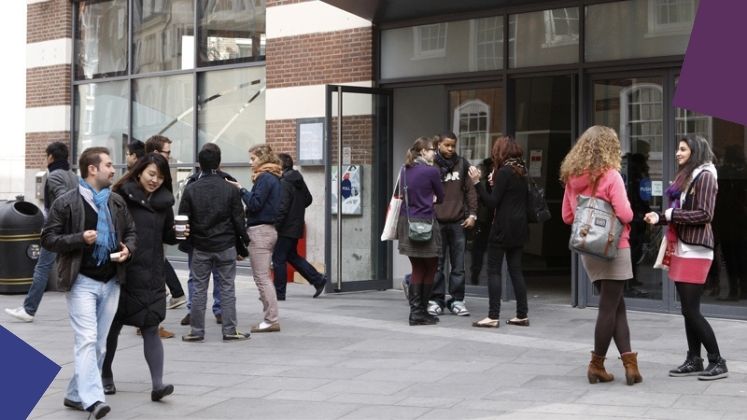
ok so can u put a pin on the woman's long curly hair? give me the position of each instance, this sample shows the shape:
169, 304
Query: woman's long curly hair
595, 152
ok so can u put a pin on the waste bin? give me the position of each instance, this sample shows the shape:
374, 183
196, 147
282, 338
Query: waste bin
20, 233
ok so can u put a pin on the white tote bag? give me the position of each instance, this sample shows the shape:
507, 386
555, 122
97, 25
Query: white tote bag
392, 214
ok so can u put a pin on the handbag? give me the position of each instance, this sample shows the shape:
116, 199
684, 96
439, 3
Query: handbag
596, 230
664, 257
537, 210
420, 230
392, 214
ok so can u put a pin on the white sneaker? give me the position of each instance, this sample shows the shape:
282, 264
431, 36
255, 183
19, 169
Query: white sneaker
434, 308
458, 308
177, 302
20, 314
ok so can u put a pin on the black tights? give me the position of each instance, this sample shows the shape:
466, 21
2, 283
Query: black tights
697, 329
612, 321
423, 270
152, 347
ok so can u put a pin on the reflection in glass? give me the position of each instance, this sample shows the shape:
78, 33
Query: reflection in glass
543, 38
634, 108
442, 48
162, 35
101, 117
232, 31
232, 111
477, 118
163, 105
101, 39
638, 28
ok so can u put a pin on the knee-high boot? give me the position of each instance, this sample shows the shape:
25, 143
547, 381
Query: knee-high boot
417, 314
426, 289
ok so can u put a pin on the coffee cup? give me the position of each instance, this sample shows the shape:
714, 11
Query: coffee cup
180, 226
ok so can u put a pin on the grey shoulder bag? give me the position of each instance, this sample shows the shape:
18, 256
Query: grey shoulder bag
417, 231
596, 229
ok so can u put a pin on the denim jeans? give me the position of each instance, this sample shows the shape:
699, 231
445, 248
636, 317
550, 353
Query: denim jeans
453, 242
262, 240
513, 262
285, 252
92, 305
44, 265
203, 263
191, 287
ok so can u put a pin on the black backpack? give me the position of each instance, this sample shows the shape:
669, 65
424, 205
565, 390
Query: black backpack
537, 211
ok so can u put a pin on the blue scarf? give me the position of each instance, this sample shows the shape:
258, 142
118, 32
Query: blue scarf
106, 240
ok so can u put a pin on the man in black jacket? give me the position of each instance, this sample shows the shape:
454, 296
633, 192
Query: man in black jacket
92, 233
216, 220
60, 180
289, 225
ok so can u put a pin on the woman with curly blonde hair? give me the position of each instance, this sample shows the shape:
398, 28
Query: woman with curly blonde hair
591, 169
262, 202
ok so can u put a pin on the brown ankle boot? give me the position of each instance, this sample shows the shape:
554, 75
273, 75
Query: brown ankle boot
630, 361
596, 372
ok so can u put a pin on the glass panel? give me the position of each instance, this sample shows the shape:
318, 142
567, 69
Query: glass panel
101, 39
163, 105
232, 31
544, 114
101, 111
232, 111
364, 125
634, 108
162, 35
440, 48
727, 280
477, 118
543, 38
638, 28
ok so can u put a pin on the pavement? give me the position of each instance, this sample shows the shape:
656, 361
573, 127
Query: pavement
353, 356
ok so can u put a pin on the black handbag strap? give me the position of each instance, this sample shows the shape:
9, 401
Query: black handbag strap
407, 201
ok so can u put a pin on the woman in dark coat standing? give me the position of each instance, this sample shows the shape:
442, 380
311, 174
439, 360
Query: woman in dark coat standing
142, 302
510, 229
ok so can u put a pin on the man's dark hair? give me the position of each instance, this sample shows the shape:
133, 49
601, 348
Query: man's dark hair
286, 160
137, 147
155, 143
58, 150
448, 135
90, 156
209, 158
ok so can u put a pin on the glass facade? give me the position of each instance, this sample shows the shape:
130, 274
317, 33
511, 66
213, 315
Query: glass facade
543, 38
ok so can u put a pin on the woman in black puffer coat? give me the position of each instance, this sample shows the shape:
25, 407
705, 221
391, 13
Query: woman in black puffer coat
142, 302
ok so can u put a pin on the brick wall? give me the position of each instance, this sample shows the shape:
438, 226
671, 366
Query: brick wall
312, 59
357, 132
47, 86
48, 20
36, 144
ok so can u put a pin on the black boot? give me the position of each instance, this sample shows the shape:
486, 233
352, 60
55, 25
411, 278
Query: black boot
716, 368
417, 314
426, 289
692, 366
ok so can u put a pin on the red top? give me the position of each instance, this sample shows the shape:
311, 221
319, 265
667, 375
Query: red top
611, 188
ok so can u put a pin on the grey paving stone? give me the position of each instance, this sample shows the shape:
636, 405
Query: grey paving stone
385, 412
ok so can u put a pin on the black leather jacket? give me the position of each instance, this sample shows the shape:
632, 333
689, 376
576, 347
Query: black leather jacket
63, 234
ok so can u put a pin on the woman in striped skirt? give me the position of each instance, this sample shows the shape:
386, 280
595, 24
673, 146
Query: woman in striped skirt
692, 198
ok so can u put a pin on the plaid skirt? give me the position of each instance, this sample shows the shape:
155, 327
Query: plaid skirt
428, 249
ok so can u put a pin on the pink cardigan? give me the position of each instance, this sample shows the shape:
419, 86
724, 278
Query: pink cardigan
611, 188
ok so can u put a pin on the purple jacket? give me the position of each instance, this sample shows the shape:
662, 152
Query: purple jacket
423, 182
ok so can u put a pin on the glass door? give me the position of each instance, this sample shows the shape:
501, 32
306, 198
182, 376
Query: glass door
358, 139
635, 108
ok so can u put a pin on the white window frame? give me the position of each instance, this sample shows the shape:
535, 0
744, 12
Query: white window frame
441, 36
625, 118
552, 38
473, 108
666, 29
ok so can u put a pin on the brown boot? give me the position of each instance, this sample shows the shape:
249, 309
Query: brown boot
596, 372
630, 361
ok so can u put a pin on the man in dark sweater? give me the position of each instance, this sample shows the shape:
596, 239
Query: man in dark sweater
216, 220
457, 213
289, 223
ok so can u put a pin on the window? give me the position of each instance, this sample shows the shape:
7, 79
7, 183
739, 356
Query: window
671, 17
561, 27
488, 45
472, 124
231, 31
430, 41
641, 118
